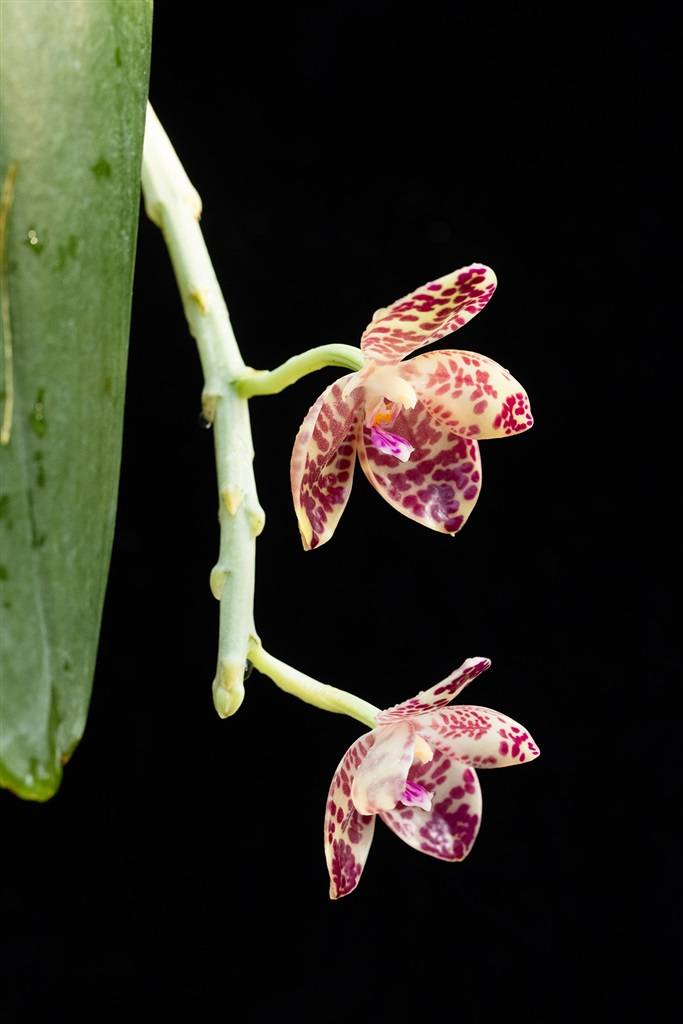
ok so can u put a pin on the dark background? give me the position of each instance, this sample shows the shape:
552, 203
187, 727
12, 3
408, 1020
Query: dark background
345, 155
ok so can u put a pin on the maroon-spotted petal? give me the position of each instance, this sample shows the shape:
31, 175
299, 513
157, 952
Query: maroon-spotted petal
439, 484
323, 460
450, 828
477, 736
348, 834
469, 393
437, 696
429, 313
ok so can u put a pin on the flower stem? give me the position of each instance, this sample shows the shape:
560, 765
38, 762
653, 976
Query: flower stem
174, 206
329, 698
271, 382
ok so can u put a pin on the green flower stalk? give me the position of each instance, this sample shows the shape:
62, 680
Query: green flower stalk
174, 205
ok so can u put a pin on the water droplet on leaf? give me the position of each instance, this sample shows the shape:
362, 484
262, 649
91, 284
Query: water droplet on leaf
33, 241
37, 415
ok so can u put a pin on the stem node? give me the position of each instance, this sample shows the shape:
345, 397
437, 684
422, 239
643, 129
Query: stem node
219, 575
257, 520
232, 499
228, 687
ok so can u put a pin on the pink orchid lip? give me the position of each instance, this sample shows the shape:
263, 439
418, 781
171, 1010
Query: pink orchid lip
391, 444
415, 795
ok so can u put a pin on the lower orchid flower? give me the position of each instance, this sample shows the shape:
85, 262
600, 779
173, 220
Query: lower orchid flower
414, 425
416, 770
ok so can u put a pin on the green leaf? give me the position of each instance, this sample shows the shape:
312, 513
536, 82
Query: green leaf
72, 107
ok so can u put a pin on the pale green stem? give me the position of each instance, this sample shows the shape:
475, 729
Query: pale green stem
270, 382
329, 698
174, 205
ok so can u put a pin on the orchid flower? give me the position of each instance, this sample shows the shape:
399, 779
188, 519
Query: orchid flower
416, 769
415, 424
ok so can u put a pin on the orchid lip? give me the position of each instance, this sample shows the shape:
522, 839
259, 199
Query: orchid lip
415, 795
391, 444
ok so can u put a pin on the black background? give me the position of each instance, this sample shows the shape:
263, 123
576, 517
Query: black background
347, 153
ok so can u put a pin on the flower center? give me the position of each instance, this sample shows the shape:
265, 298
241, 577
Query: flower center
386, 393
414, 793
382, 416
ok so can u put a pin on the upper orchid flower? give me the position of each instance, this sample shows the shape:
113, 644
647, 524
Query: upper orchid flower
416, 770
415, 424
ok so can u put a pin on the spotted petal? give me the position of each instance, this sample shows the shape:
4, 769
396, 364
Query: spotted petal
429, 313
469, 393
439, 485
477, 736
437, 696
323, 460
348, 834
450, 828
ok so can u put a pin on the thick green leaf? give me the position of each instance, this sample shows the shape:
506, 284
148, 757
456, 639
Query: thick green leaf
72, 103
